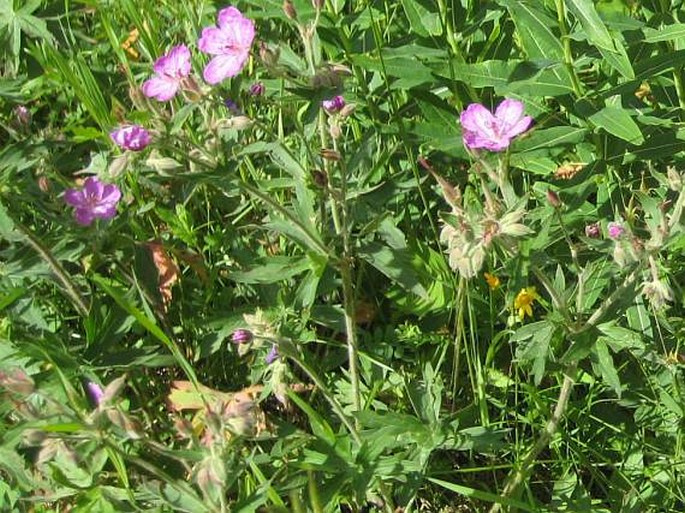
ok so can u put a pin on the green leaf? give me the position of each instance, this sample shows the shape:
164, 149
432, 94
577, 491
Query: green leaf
467, 491
618, 122
395, 264
605, 362
533, 344
421, 21
664, 33
597, 33
546, 138
272, 270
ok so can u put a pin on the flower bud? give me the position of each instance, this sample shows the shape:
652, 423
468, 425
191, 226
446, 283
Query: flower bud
289, 10
257, 89
615, 230
553, 198
95, 392
347, 110
592, 231
241, 336
317, 4
334, 104
272, 356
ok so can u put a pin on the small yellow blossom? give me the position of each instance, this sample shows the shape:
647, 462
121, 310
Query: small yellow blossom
493, 281
524, 301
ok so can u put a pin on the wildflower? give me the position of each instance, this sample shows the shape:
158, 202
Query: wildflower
482, 129
257, 89
524, 301
272, 356
492, 280
95, 200
241, 336
615, 230
131, 137
95, 392
170, 70
230, 43
333, 105
592, 230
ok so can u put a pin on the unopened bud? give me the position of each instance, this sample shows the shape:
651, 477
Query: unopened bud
553, 198
592, 231
330, 154
347, 110
241, 336
289, 10
334, 130
22, 116
239, 122
317, 4
319, 178
257, 89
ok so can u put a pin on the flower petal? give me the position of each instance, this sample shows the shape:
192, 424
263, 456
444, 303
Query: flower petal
84, 216
110, 194
74, 197
520, 127
176, 63
93, 187
228, 15
213, 41
476, 118
224, 66
509, 112
161, 88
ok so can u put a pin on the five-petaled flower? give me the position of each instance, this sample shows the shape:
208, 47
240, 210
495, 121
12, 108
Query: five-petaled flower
95, 200
131, 137
170, 70
230, 44
483, 129
523, 303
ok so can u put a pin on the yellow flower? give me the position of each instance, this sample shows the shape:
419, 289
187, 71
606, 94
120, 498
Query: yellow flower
493, 281
524, 301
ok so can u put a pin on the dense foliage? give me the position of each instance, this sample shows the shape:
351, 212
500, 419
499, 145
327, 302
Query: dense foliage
342, 255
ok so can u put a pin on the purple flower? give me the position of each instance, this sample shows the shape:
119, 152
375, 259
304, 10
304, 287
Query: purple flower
230, 43
592, 230
22, 115
96, 199
615, 230
333, 105
95, 392
272, 356
482, 129
170, 70
241, 336
131, 137
232, 106
257, 89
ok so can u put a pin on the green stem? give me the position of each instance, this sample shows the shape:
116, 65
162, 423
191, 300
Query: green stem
56, 268
515, 480
568, 54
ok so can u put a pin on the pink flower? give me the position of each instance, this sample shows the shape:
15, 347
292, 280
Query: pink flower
131, 137
257, 89
230, 43
615, 230
170, 70
592, 230
96, 199
482, 129
95, 392
333, 105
